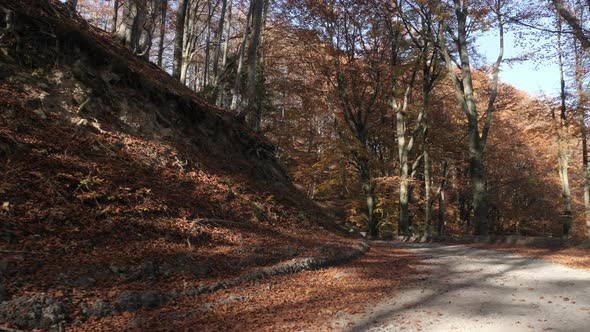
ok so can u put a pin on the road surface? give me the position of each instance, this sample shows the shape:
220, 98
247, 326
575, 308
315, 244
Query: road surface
483, 290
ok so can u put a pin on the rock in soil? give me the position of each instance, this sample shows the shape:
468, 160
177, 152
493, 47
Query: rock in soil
33, 311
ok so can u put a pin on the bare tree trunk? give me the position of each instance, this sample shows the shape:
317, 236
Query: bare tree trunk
234, 101
115, 15
405, 144
221, 90
127, 31
257, 104
562, 128
368, 191
218, 43
441, 200
257, 10
178, 40
208, 44
427, 169
464, 90
582, 100
163, 13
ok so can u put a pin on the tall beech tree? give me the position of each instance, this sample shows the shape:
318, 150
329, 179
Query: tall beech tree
453, 39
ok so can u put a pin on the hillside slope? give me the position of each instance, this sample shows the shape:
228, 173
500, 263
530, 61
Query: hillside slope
122, 188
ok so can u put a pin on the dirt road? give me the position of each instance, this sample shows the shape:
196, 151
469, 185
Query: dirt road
482, 290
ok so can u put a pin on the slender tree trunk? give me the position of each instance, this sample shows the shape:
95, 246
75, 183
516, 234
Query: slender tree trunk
208, 44
163, 14
368, 191
427, 181
582, 100
563, 149
236, 91
115, 15
221, 90
586, 174
257, 10
441, 215
178, 40
218, 43
257, 101
441, 200
426, 88
404, 218
184, 70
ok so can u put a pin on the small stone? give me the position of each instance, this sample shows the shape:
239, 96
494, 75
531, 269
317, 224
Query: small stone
40, 114
85, 282
201, 270
137, 323
102, 308
3, 267
128, 301
33, 104
231, 299
33, 311
151, 299
291, 251
118, 269
3, 294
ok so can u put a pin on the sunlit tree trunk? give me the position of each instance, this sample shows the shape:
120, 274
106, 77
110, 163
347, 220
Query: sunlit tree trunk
177, 65
464, 90
128, 29
369, 193
562, 128
582, 102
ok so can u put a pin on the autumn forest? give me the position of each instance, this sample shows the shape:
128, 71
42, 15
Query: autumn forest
240, 157
386, 108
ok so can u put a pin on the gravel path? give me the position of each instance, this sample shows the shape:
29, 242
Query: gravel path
483, 290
